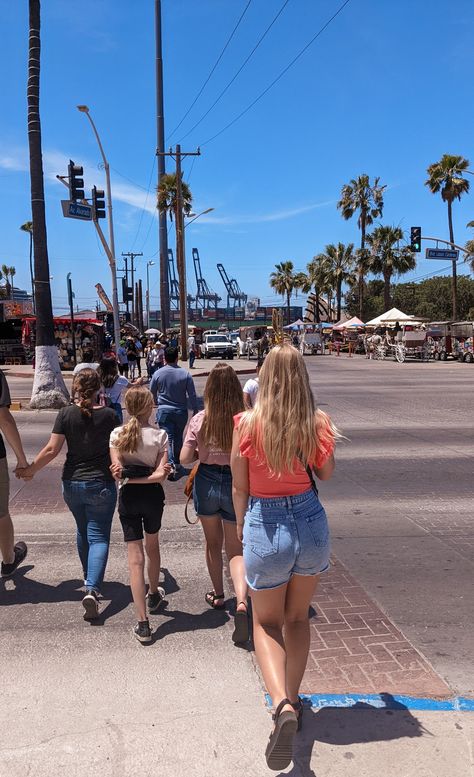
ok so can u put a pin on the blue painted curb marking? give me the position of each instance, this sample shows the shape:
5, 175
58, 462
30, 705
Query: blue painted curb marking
386, 701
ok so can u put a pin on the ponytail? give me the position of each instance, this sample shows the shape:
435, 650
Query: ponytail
129, 436
85, 387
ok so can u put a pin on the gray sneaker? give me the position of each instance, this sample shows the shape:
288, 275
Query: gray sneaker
20, 551
154, 600
90, 603
142, 631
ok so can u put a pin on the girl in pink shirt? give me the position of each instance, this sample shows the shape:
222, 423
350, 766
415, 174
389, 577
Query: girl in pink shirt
209, 439
278, 447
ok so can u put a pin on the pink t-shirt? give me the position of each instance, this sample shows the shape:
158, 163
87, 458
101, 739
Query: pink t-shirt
194, 439
261, 481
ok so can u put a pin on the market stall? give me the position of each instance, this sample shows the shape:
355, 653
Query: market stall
88, 333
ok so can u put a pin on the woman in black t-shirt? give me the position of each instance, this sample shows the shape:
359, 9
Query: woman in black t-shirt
88, 486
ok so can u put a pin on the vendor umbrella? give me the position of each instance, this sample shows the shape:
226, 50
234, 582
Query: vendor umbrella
152, 331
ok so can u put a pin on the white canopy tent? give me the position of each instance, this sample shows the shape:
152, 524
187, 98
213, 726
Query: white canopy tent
391, 317
354, 321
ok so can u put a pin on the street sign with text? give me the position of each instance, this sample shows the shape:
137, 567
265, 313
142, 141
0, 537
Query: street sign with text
442, 253
74, 210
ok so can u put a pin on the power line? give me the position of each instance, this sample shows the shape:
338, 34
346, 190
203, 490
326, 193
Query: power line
222, 93
212, 71
282, 73
145, 203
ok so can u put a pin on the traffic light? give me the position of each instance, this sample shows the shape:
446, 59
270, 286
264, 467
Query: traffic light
127, 292
415, 239
76, 183
98, 204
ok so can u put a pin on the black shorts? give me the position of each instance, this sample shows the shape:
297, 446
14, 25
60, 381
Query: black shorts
140, 509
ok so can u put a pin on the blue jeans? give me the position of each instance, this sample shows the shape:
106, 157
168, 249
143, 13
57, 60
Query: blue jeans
174, 423
92, 503
284, 536
192, 357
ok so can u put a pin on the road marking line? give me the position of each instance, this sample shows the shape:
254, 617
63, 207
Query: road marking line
390, 702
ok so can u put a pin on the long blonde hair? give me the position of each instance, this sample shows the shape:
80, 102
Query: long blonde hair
223, 398
85, 387
285, 426
139, 404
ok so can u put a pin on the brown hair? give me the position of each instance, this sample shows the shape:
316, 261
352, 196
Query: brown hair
285, 425
139, 404
223, 398
85, 387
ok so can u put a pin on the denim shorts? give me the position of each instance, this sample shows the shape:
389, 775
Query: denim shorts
284, 536
212, 492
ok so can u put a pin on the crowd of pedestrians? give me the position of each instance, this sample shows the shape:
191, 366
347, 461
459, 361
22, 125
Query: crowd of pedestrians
255, 453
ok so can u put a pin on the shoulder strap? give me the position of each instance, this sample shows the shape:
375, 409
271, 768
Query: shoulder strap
312, 479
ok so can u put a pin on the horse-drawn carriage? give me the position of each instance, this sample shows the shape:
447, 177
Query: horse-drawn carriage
411, 344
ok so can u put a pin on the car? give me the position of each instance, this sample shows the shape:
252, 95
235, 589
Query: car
217, 345
234, 339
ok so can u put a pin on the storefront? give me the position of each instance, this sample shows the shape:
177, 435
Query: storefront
88, 334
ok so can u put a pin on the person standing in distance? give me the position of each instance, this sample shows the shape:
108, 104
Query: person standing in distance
12, 554
251, 389
171, 387
191, 350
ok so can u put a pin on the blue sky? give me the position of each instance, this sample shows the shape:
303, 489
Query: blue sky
385, 90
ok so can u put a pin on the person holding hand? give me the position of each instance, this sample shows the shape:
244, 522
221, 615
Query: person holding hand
139, 454
13, 554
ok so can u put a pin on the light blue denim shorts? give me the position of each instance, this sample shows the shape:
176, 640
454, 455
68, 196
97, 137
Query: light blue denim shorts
284, 536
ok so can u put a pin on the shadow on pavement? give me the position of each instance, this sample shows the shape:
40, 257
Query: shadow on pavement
180, 621
29, 591
345, 726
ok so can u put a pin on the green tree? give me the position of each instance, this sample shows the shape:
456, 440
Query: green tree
168, 192
470, 247
446, 176
28, 228
49, 389
339, 262
387, 258
373, 300
285, 281
316, 281
6, 276
365, 198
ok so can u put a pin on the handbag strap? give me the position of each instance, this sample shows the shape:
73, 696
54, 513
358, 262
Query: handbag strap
312, 479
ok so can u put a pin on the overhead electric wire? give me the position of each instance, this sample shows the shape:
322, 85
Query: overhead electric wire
145, 203
282, 73
222, 93
211, 71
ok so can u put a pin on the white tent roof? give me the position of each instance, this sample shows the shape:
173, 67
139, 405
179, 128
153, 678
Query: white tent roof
354, 321
391, 317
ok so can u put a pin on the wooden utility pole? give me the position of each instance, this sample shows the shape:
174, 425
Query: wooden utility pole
132, 256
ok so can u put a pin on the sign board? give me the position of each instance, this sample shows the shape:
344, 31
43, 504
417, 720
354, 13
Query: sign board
75, 210
442, 253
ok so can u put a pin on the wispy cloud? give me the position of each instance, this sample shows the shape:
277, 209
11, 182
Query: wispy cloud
56, 162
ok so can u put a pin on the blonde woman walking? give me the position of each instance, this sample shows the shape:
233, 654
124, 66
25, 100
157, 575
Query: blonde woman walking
139, 454
276, 449
209, 439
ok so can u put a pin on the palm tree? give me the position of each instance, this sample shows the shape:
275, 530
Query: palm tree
49, 389
28, 227
338, 262
446, 177
12, 272
285, 281
167, 195
6, 275
387, 258
366, 199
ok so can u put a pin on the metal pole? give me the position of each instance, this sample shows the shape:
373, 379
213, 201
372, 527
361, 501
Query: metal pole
148, 265
180, 259
160, 145
71, 313
134, 307
112, 262
127, 304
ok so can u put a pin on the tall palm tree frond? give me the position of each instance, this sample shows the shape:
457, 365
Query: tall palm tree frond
167, 195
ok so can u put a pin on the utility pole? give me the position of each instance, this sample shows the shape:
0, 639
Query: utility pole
132, 256
180, 250
160, 145
70, 295
140, 306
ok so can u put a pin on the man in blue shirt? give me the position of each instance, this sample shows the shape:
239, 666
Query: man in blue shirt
171, 386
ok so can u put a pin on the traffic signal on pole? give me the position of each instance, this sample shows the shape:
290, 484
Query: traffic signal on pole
127, 292
76, 182
98, 203
415, 239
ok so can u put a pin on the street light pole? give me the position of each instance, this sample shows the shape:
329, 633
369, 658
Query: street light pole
111, 251
148, 265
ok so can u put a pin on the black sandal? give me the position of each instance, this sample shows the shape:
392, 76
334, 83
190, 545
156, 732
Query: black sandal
211, 598
279, 752
241, 625
298, 708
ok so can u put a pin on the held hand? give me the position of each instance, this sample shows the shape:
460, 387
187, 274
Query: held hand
164, 471
240, 531
116, 470
24, 473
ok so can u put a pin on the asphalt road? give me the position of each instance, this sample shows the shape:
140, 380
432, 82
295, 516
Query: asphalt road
90, 700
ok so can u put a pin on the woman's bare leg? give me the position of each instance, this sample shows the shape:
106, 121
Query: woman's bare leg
299, 594
136, 566
214, 535
268, 609
153, 560
233, 550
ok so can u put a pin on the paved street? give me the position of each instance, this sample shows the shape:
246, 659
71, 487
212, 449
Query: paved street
393, 616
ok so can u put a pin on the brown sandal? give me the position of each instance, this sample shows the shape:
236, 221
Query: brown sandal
279, 752
211, 598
